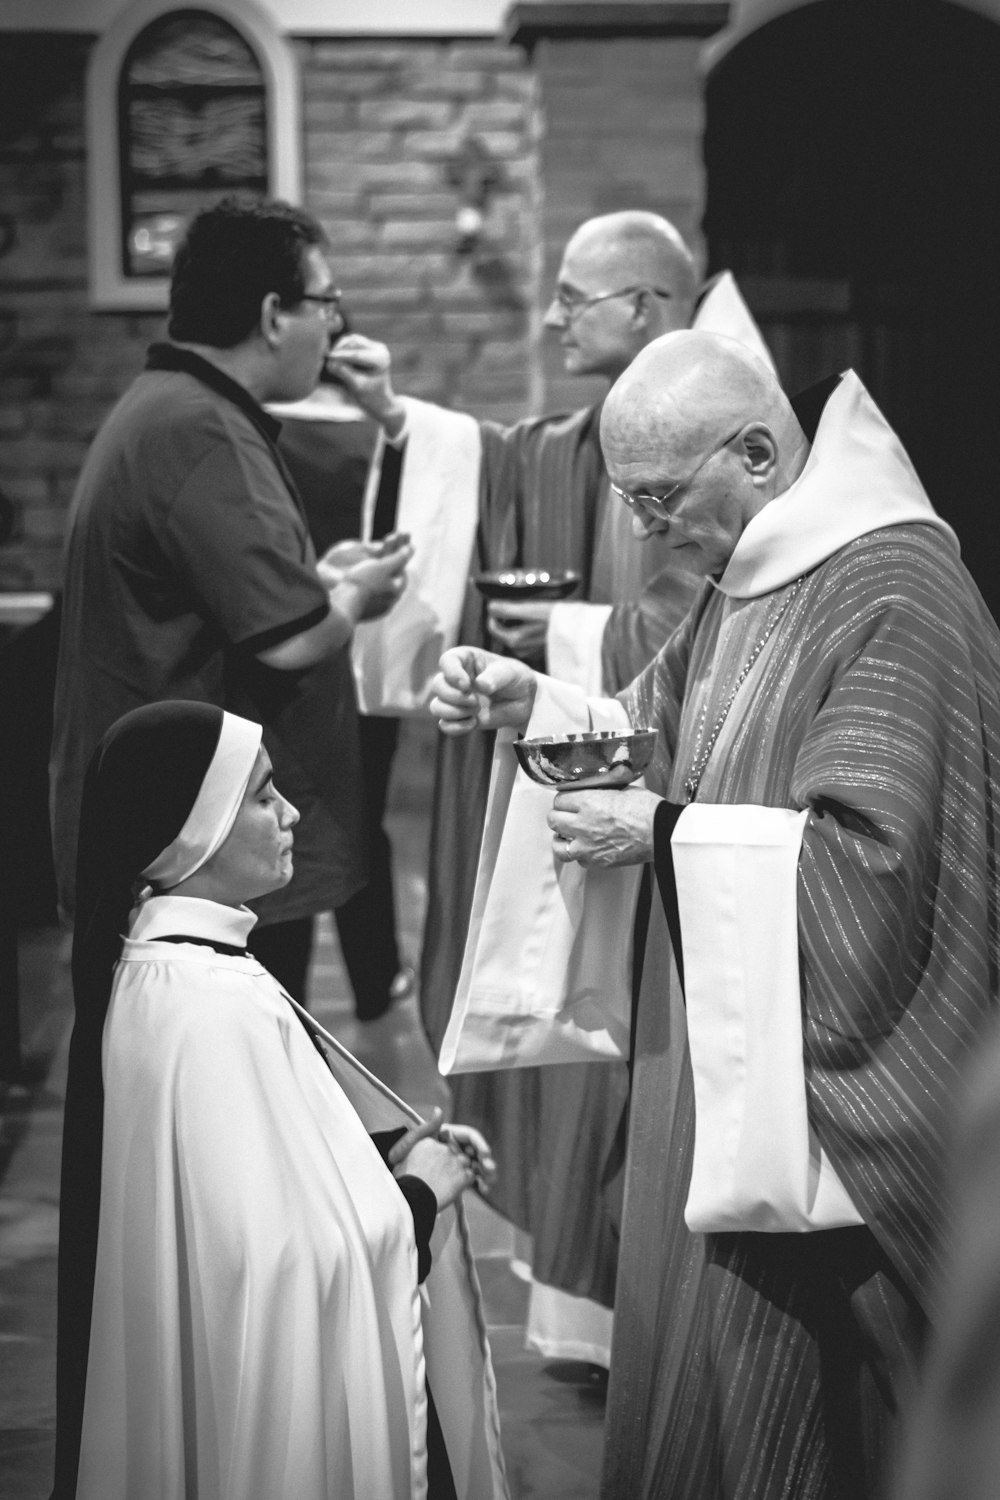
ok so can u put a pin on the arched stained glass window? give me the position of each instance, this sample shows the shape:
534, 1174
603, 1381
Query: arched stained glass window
192, 119
184, 103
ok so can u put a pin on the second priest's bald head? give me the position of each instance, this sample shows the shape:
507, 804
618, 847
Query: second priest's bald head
641, 259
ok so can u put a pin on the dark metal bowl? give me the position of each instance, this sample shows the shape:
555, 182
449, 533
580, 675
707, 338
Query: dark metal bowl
526, 583
599, 757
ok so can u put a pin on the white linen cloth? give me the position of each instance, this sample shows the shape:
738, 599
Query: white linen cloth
257, 1325
546, 975
573, 639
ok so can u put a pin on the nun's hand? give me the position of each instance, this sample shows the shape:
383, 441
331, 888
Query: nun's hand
604, 827
476, 1149
428, 1129
445, 1168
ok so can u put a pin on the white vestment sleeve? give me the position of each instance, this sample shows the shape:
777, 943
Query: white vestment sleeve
546, 975
395, 658
573, 644
757, 1163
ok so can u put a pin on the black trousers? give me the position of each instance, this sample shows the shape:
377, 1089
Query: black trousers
366, 924
285, 948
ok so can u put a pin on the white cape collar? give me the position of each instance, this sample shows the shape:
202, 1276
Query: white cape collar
191, 916
857, 479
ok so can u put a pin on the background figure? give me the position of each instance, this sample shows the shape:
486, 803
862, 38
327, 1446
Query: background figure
952, 1449
189, 568
333, 451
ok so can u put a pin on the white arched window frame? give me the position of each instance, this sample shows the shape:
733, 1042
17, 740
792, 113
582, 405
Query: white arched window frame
110, 287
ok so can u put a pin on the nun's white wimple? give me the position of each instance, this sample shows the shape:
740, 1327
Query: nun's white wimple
216, 805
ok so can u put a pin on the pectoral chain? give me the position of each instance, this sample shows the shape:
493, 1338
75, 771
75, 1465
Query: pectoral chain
703, 754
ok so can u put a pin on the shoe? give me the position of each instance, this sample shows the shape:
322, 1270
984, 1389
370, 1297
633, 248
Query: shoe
403, 984
401, 988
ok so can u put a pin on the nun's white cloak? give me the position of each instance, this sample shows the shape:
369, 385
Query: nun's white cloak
257, 1325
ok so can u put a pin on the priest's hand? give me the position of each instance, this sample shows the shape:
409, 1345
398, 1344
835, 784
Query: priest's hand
604, 827
476, 689
520, 628
363, 365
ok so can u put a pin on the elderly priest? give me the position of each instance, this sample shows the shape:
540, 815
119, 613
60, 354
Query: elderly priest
821, 816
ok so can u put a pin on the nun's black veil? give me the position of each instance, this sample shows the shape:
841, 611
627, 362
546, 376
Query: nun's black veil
140, 787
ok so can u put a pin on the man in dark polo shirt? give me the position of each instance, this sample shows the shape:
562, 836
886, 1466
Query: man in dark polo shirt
189, 568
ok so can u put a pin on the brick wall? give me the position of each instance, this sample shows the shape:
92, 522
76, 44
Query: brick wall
60, 366
583, 127
622, 124
381, 125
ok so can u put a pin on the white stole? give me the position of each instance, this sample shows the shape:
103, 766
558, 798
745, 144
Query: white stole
573, 641
395, 658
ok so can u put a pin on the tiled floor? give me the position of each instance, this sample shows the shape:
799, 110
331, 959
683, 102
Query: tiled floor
552, 1415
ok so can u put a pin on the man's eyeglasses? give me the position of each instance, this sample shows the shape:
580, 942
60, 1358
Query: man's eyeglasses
573, 303
328, 304
656, 503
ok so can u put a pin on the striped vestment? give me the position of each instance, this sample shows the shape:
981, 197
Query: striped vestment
768, 1367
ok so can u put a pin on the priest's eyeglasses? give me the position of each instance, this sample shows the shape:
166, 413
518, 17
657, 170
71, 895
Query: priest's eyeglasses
574, 303
328, 304
661, 503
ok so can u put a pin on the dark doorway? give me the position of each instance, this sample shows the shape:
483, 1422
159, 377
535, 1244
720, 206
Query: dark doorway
853, 159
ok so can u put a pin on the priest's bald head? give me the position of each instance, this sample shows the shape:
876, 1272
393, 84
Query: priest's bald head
625, 279
698, 436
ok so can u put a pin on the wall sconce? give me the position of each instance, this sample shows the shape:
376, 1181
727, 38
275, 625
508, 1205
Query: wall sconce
475, 175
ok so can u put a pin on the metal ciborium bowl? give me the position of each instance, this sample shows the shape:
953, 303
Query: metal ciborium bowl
596, 758
514, 584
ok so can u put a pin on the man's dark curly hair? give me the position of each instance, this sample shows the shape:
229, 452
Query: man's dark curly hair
232, 255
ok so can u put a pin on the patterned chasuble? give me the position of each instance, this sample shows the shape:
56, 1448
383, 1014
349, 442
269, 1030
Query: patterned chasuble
876, 705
